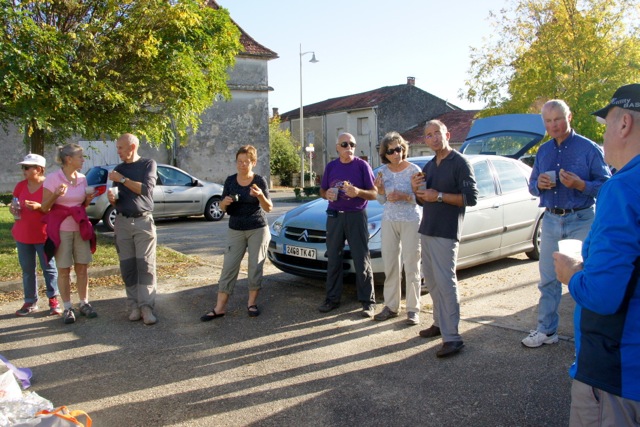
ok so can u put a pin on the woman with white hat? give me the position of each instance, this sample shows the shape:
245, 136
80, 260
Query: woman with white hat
30, 234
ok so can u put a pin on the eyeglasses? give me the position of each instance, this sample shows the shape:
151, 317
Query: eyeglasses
27, 167
398, 149
345, 144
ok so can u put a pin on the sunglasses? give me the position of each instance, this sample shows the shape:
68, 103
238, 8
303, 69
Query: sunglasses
27, 167
390, 151
345, 144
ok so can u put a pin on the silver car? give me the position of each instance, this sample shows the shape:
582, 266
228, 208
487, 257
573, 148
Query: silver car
505, 221
177, 194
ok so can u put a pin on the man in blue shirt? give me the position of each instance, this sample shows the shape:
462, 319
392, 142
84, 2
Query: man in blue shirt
606, 371
567, 174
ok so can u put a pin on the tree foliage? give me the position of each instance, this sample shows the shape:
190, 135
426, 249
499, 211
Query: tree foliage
576, 50
284, 150
96, 67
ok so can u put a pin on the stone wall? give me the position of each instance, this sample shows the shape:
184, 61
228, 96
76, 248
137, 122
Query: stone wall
227, 125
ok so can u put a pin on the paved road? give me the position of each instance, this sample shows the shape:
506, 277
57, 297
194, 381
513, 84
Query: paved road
293, 365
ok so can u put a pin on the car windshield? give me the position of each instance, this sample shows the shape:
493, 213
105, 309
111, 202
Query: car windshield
97, 176
507, 143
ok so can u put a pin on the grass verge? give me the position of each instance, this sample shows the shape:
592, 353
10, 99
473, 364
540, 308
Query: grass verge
169, 261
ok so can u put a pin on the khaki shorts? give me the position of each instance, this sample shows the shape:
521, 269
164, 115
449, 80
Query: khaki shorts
72, 250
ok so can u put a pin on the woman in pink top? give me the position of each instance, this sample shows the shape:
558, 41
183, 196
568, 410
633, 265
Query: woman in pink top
30, 234
66, 188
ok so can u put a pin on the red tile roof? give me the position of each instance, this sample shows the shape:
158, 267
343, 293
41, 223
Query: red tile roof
362, 100
458, 123
251, 47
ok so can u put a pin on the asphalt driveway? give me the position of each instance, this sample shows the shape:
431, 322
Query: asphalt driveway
294, 365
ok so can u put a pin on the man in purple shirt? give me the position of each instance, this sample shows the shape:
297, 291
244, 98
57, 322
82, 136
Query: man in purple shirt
347, 183
568, 172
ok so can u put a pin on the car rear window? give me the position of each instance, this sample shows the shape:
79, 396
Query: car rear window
97, 176
500, 143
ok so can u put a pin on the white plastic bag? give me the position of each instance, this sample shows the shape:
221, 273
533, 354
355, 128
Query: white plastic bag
9, 388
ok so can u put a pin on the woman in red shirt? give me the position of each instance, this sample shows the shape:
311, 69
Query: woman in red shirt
30, 235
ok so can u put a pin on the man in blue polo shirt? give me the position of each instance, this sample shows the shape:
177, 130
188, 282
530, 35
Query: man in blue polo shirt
568, 172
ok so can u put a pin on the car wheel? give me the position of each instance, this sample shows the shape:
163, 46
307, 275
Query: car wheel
212, 211
109, 218
535, 252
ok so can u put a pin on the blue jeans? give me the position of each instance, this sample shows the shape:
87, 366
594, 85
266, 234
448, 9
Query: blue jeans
27, 258
554, 228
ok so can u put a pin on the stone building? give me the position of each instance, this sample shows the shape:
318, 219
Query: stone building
368, 116
457, 122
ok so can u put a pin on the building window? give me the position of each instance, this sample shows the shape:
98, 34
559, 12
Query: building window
363, 126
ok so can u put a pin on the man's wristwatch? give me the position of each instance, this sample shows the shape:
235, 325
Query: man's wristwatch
123, 180
439, 197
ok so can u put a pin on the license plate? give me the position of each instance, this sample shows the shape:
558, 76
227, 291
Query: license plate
300, 252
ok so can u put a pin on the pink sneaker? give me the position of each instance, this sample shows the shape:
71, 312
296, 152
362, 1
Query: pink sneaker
54, 307
27, 308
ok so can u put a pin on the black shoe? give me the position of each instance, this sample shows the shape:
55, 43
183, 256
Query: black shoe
328, 305
430, 332
450, 348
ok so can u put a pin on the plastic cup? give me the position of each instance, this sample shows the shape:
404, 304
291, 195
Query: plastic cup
570, 247
114, 191
332, 194
89, 190
552, 176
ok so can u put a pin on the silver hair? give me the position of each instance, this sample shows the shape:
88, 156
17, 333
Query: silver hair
557, 104
442, 126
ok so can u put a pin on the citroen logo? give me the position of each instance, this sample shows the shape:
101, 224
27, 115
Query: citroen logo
304, 237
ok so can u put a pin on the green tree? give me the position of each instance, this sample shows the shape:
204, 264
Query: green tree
579, 51
283, 150
97, 68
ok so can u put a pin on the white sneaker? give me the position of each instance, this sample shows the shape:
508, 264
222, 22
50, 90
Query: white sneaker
536, 339
135, 315
147, 315
412, 318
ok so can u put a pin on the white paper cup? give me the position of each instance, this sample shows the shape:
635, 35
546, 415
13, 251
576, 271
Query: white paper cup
89, 190
570, 247
114, 191
552, 176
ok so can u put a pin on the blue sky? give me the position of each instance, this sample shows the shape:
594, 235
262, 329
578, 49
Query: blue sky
365, 44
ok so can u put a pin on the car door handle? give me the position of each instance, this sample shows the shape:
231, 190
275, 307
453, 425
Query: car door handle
496, 206
169, 191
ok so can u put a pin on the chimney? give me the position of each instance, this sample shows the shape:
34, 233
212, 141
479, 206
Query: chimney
411, 81
275, 112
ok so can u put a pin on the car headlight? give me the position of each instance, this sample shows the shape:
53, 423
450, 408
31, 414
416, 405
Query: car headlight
276, 227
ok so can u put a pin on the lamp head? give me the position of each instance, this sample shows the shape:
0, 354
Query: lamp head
313, 59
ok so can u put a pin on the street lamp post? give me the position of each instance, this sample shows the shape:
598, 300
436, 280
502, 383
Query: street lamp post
310, 150
313, 60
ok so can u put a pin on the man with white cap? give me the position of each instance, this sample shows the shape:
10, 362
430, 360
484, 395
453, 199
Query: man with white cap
30, 234
606, 371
